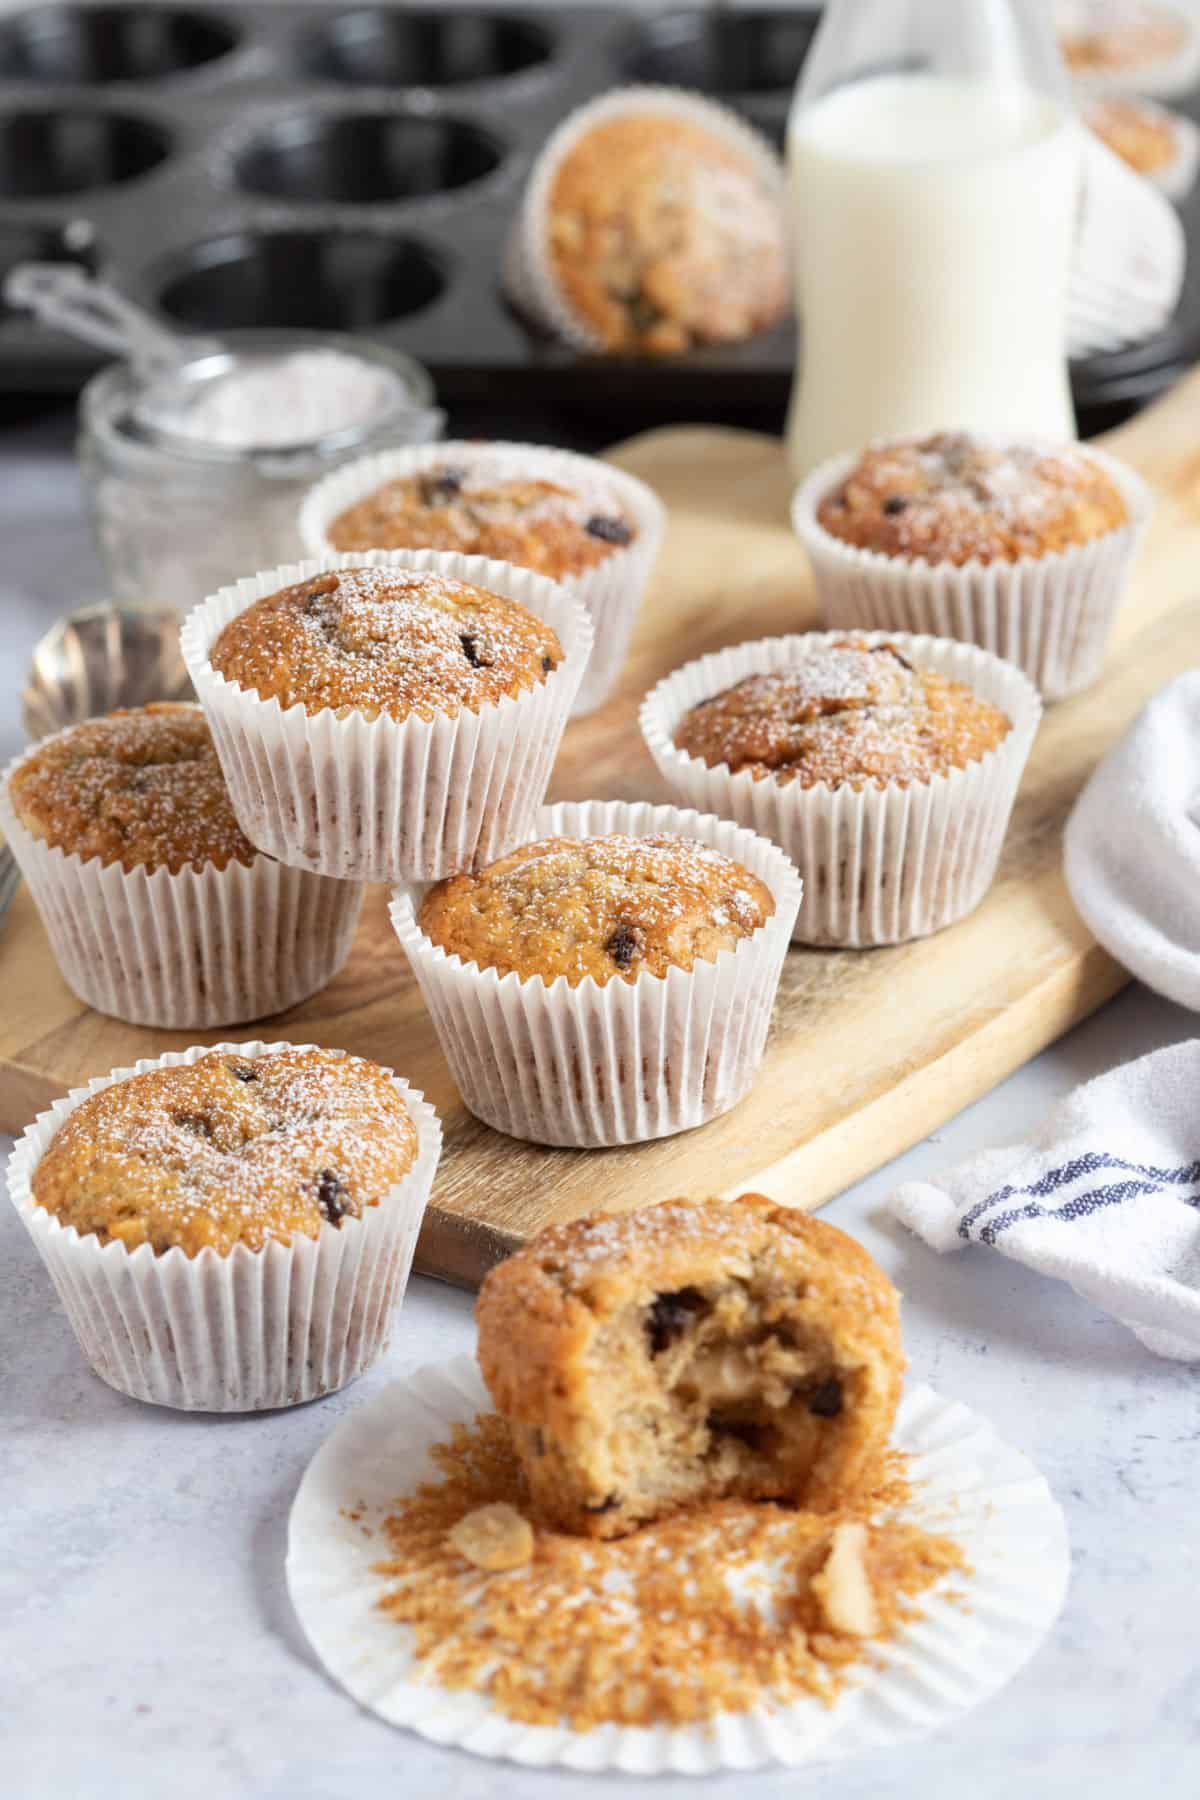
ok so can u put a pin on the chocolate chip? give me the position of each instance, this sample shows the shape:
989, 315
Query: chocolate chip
895, 503
746, 1431
609, 531
194, 1122
548, 665
604, 1506
670, 1315
332, 1199
470, 647
243, 1071
643, 314
441, 485
825, 1400
624, 945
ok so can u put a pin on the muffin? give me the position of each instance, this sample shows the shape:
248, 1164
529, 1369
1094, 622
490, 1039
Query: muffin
691, 1352
1109, 44
653, 224
853, 712
1155, 143
1018, 546
388, 716
620, 968
230, 1228
158, 908
885, 766
592, 528
600, 909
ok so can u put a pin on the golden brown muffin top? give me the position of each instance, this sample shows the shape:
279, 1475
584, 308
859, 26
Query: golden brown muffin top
663, 235
559, 1287
1140, 134
1146, 35
952, 498
609, 907
141, 787
471, 508
846, 714
394, 641
229, 1150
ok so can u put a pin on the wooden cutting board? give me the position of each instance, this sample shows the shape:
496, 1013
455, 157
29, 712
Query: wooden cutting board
869, 1050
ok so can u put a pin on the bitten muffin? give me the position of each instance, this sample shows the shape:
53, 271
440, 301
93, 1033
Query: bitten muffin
849, 713
663, 235
1142, 135
689, 1352
610, 908
952, 498
537, 524
229, 1150
141, 787
394, 641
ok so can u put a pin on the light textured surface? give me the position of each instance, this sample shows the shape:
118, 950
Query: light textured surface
150, 1648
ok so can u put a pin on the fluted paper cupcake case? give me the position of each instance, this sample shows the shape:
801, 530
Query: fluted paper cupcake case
612, 590
253, 1329
879, 866
1050, 615
1163, 77
1129, 257
377, 799
528, 272
200, 948
973, 1634
588, 1066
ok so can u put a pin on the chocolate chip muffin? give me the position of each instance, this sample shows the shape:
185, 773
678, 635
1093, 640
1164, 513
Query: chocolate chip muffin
229, 1150
611, 908
141, 787
690, 1352
477, 510
1147, 34
394, 641
849, 713
952, 498
663, 233
1142, 135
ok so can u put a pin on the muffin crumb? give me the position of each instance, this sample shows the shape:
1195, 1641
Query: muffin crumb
494, 1537
843, 1586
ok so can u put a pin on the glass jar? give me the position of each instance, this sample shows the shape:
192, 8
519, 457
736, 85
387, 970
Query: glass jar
176, 518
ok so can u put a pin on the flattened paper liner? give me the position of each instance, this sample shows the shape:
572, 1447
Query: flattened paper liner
235, 1333
611, 590
1129, 257
189, 951
879, 865
592, 1065
377, 799
527, 268
1051, 615
968, 1484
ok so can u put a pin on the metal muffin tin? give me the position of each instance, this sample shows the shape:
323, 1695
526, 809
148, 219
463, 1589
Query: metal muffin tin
356, 168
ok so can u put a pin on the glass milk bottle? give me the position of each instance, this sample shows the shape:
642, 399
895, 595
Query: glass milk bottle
934, 165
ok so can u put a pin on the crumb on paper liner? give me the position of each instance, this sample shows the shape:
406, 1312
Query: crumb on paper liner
967, 1485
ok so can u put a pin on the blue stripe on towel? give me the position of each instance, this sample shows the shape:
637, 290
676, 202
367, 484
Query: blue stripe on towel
1153, 1181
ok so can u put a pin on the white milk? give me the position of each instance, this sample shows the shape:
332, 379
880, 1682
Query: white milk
932, 219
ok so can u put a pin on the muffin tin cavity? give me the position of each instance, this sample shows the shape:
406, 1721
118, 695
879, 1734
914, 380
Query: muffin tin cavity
375, 47
722, 51
364, 158
73, 149
35, 240
316, 280
84, 45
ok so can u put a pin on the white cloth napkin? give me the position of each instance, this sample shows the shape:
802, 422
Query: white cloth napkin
1106, 1196
1131, 853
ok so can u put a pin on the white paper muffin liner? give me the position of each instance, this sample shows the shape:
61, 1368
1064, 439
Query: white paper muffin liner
376, 799
528, 272
612, 590
588, 1066
879, 866
235, 1333
1176, 178
1129, 258
977, 1630
1166, 75
189, 951
1050, 615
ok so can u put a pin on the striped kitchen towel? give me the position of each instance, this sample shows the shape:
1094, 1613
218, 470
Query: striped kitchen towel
1106, 1196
